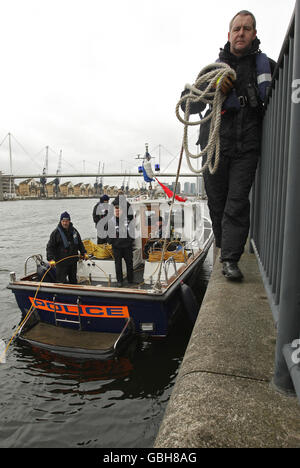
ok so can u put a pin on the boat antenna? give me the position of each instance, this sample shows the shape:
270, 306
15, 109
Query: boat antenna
157, 285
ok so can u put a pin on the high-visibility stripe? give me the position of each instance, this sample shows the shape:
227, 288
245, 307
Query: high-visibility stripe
264, 77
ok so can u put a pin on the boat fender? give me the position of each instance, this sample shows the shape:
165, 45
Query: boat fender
190, 302
42, 267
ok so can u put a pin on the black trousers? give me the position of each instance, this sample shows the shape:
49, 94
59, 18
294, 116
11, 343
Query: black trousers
127, 254
101, 241
64, 270
228, 201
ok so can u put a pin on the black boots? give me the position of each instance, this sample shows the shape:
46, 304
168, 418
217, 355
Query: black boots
231, 271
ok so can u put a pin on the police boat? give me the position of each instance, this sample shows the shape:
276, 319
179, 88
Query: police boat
95, 317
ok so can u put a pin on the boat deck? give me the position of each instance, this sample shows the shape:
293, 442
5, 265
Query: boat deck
138, 281
50, 335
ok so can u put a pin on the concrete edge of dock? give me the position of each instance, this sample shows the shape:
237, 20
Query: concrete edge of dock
223, 396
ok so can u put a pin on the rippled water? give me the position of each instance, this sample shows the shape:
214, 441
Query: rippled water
51, 401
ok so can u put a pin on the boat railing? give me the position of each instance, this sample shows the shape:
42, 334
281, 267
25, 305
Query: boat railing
195, 244
38, 258
275, 221
128, 327
167, 265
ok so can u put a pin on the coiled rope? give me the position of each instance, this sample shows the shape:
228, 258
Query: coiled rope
211, 77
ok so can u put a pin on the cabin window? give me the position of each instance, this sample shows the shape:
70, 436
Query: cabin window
177, 220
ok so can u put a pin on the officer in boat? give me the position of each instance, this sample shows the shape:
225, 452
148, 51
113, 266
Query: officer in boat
121, 237
65, 242
100, 212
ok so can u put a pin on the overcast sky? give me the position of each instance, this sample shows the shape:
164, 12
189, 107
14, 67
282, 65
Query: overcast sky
97, 79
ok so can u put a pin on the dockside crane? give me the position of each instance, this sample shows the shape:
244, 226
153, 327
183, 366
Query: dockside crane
123, 183
97, 183
101, 181
43, 179
127, 185
56, 189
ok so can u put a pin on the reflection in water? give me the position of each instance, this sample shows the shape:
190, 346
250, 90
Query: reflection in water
114, 403
148, 371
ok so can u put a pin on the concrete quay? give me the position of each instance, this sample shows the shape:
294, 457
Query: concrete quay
223, 395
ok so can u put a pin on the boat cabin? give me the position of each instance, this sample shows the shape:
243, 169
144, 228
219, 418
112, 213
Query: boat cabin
185, 236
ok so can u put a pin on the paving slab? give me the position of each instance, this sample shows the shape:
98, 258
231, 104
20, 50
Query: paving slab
216, 411
222, 396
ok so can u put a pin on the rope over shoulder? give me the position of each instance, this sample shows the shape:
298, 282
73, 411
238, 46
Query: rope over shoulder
210, 78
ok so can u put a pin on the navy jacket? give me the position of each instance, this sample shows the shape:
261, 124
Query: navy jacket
56, 248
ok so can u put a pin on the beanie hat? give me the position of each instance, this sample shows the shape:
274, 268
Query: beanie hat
104, 198
116, 201
65, 215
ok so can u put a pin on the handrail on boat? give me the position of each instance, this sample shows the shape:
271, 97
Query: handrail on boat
170, 259
36, 258
129, 321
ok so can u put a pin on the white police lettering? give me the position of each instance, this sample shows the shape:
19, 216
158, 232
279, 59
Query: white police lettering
2, 352
296, 353
296, 93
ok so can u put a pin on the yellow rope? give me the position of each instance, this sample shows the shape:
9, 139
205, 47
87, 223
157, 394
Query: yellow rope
31, 308
99, 251
156, 254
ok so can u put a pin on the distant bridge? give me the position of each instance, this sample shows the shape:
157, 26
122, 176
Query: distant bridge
93, 174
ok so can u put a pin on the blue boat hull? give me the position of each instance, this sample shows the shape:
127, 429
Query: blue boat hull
97, 314
93, 310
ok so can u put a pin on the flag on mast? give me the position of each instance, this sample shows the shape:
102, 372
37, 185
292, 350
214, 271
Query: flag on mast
169, 192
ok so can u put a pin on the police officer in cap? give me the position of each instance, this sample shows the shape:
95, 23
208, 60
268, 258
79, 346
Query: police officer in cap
100, 212
121, 237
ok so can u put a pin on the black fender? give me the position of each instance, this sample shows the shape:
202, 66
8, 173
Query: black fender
190, 303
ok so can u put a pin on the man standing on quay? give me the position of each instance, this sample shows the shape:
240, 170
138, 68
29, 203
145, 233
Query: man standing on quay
240, 138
